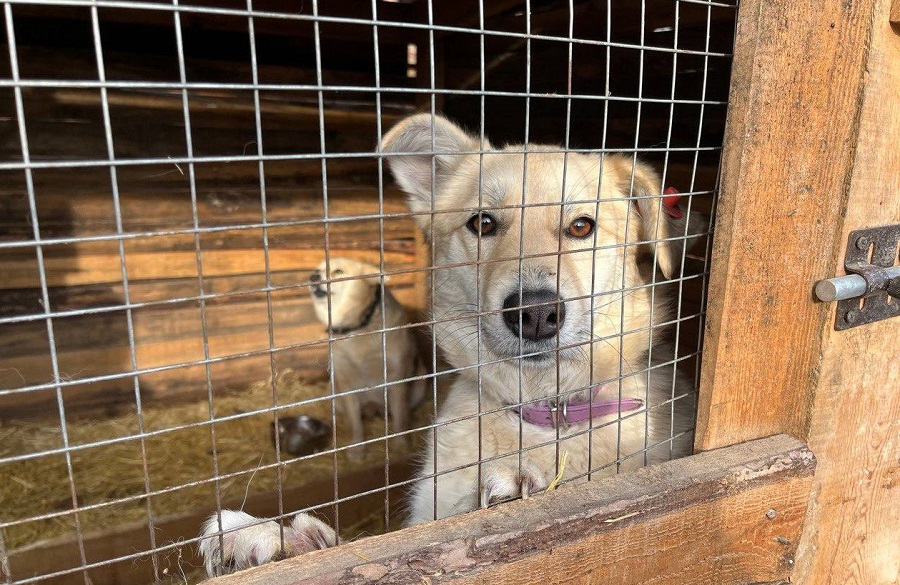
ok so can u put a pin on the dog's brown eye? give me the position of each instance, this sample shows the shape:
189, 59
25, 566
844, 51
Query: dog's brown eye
581, 227
337, 272
482, 223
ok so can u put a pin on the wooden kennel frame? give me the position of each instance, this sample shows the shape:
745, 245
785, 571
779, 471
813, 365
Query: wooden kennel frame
797, 435
810, 154
108, 366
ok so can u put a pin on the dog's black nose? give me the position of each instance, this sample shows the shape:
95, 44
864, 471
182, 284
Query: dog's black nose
542, 316
315, 277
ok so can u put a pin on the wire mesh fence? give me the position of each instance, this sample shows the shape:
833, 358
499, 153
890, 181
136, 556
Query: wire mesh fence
242, 273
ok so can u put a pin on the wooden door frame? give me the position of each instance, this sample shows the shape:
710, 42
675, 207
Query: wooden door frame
801, 166
810, 155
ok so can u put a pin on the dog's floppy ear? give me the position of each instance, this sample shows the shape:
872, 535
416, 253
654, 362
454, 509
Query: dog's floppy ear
646, 193
690, 225
411, 143
370, 271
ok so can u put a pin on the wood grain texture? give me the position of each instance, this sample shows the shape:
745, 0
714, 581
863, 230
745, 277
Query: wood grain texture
791, 193
96, 265
165, 335
852, 536
695, 520
797, 82
85, 208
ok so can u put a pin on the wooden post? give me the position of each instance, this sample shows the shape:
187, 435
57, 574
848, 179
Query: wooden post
797, 81
810, 155
852, 535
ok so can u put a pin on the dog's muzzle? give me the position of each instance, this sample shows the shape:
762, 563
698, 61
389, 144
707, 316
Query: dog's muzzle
318, 291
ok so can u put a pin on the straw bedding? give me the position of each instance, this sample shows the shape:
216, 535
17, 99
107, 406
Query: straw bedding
106, 473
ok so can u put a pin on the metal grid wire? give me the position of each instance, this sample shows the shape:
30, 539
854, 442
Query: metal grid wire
428, 91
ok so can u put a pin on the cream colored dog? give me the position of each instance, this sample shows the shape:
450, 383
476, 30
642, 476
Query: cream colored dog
544, 301
351, 293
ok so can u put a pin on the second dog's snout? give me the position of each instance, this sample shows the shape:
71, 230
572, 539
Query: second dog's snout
542, 314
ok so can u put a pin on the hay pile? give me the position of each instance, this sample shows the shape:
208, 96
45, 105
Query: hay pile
106, 473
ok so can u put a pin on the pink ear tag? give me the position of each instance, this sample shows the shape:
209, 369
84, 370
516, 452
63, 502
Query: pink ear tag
670, 203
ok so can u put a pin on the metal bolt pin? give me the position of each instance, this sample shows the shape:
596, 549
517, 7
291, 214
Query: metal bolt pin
841, 288
771, 513
862, 243
851, 316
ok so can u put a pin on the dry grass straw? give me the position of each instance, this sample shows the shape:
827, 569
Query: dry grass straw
107, 473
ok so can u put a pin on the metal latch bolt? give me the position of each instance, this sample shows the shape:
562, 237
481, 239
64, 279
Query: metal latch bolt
871, 290
852, 286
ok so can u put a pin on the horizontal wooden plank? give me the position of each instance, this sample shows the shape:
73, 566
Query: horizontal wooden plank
68, 210
62, 554
226, 129
395, 235
697, 520
160, 323
87, 362
105, 267
210, 24
71, 210
116, 397
98, 345
230, 289
225, 104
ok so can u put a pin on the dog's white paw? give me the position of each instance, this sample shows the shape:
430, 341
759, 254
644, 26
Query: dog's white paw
502, 481
247, 541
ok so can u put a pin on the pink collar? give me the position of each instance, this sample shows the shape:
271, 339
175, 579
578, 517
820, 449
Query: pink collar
547, 413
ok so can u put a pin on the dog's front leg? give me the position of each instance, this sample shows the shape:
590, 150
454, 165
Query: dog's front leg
461, 491
507, 480
246, 541
501, 482
351, 407
398, 406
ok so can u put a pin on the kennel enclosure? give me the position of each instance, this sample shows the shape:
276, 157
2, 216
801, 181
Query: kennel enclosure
222, 133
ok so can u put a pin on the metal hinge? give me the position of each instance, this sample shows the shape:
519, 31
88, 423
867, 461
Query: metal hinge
871, 290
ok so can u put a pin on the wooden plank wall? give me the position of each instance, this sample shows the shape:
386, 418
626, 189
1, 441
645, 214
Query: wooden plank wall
791, 194
65, 124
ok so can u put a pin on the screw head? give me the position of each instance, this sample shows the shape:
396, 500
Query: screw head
893, 289
771, 513
851, 316
862, 243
